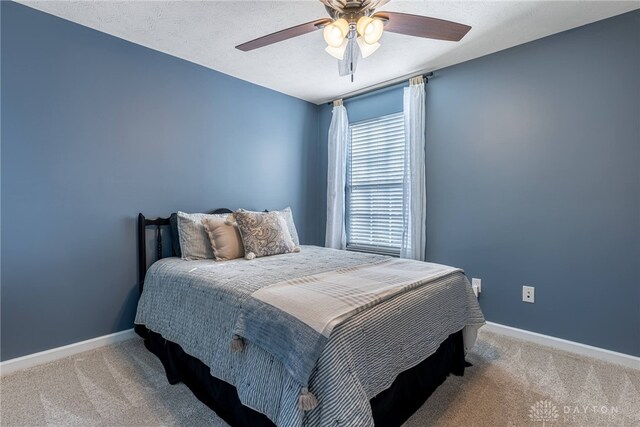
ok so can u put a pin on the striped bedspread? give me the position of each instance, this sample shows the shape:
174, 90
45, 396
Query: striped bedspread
293, 319
197, 304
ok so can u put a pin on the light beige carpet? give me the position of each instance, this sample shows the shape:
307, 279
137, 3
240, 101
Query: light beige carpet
512, 383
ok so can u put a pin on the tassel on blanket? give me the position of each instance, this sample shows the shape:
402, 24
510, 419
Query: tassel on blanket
307, 401
237, 344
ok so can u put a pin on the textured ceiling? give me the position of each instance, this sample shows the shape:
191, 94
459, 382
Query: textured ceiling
205, 32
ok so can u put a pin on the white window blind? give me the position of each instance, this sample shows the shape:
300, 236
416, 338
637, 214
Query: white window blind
375, 168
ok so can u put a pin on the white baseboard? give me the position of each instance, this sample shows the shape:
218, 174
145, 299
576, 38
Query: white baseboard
626, 360
47, 356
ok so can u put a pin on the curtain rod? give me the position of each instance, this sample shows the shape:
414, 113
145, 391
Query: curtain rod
375, 89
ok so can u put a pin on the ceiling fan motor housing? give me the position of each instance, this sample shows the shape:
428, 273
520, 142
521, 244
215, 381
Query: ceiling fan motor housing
350, 14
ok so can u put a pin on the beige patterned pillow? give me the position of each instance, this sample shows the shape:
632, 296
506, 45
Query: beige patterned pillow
264, 234
225, 239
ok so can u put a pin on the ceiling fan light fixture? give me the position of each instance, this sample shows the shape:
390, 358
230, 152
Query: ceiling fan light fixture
337, 52
367, 49
336, 32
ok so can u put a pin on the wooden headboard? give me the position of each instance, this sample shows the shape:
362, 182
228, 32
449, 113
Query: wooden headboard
143, 223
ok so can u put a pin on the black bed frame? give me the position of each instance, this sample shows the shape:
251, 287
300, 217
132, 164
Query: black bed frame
390, 408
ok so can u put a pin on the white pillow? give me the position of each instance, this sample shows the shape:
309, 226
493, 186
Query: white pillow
287, 215
194, 240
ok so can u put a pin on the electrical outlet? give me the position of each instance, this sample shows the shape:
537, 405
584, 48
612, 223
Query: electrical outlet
477, 284
528, 294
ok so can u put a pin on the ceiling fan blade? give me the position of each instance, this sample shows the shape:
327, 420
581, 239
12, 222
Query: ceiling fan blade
281, 35
423, 26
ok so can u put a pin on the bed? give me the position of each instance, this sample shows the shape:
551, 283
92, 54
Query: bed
377, 367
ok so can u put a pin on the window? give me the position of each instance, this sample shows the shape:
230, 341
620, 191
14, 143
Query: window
375, 167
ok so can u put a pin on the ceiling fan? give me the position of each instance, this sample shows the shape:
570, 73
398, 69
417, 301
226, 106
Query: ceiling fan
354, 29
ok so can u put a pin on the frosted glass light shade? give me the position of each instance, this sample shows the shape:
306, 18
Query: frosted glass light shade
362, 23
337, 52
370, 29
335, 33
373, 31
367, 49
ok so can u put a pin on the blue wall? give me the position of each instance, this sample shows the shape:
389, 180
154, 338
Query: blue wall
95, 130
533, 173
533, 178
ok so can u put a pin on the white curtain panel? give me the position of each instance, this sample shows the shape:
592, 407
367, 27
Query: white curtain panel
414, 237
336, 236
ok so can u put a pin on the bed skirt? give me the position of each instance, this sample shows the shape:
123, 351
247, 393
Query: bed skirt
390, 408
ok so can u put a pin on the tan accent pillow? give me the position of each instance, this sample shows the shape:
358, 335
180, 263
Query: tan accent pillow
225, 239
264, 234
